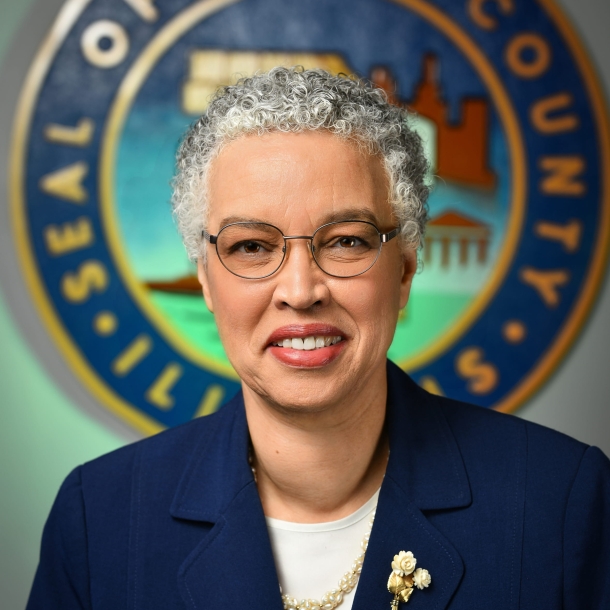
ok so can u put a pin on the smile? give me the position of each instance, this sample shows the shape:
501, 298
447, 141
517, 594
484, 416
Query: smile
308, 343
314, 345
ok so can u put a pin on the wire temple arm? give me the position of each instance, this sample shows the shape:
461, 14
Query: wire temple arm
210, 238
386, 237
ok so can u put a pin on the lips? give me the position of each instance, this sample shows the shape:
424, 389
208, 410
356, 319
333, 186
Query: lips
306, 345
304, 331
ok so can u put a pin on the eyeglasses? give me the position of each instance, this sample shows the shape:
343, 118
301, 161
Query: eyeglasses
255, 250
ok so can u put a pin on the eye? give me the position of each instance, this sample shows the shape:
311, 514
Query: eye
250, 247
348, 241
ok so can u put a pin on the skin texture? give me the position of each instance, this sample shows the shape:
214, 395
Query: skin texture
317, 432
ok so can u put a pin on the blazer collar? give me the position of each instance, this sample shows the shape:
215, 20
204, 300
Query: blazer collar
219, 468
425, 460
425, 472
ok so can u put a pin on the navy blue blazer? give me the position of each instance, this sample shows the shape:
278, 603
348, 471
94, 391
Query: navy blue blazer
504, 514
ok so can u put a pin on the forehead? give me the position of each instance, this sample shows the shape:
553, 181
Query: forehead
291, 180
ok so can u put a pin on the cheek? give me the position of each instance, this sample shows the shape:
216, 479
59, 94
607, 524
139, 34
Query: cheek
374, 304
238, 307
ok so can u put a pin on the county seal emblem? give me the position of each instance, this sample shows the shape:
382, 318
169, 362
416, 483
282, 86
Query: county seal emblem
507, 105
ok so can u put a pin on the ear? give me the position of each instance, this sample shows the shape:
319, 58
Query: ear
202, 276
409, 266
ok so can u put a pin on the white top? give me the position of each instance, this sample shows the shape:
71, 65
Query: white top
311, 558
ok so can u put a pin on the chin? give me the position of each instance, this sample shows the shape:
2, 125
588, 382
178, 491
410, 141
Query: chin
303, 391
312, 405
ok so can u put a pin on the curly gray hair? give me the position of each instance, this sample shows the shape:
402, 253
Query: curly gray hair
297, 100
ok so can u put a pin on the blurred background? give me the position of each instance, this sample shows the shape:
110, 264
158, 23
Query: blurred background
51, 421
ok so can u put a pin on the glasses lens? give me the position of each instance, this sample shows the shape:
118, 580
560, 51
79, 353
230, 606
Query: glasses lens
345, 249
251, 250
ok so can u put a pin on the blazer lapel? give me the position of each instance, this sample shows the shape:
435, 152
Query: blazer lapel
425, 472
233, 565
400, 526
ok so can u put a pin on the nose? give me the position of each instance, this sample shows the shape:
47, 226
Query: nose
300, 283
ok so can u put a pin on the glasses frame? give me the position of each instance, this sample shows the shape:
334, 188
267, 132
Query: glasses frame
384, 238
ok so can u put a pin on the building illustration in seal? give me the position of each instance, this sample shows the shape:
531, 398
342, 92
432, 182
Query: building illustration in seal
454, 227
462, 148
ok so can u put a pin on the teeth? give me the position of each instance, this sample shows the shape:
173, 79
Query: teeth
308, 343
298, 344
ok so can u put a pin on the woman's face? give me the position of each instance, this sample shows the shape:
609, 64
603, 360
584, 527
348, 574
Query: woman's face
298, 182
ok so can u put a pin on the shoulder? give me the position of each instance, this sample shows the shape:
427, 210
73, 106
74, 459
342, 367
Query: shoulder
165, 454
108, 503
479, 428
494, 444
553, 468
471, 420
99, 500
493, 429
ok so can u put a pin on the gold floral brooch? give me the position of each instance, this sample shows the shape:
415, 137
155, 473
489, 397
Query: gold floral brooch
405, 577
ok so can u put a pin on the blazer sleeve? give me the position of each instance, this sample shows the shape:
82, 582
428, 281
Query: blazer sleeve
62, 577
586, 557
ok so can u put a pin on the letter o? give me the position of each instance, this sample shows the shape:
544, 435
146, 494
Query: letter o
115, 53
537, 46
482, 19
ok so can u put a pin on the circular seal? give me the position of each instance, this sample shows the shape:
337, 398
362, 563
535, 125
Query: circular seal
507, 105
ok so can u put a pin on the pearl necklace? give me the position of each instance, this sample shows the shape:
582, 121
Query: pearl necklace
331, 599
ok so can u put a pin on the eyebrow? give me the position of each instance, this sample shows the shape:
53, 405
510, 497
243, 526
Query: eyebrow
345, 214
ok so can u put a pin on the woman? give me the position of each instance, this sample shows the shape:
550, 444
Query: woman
302, 198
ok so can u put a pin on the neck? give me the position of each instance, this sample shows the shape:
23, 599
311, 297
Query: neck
322, 466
